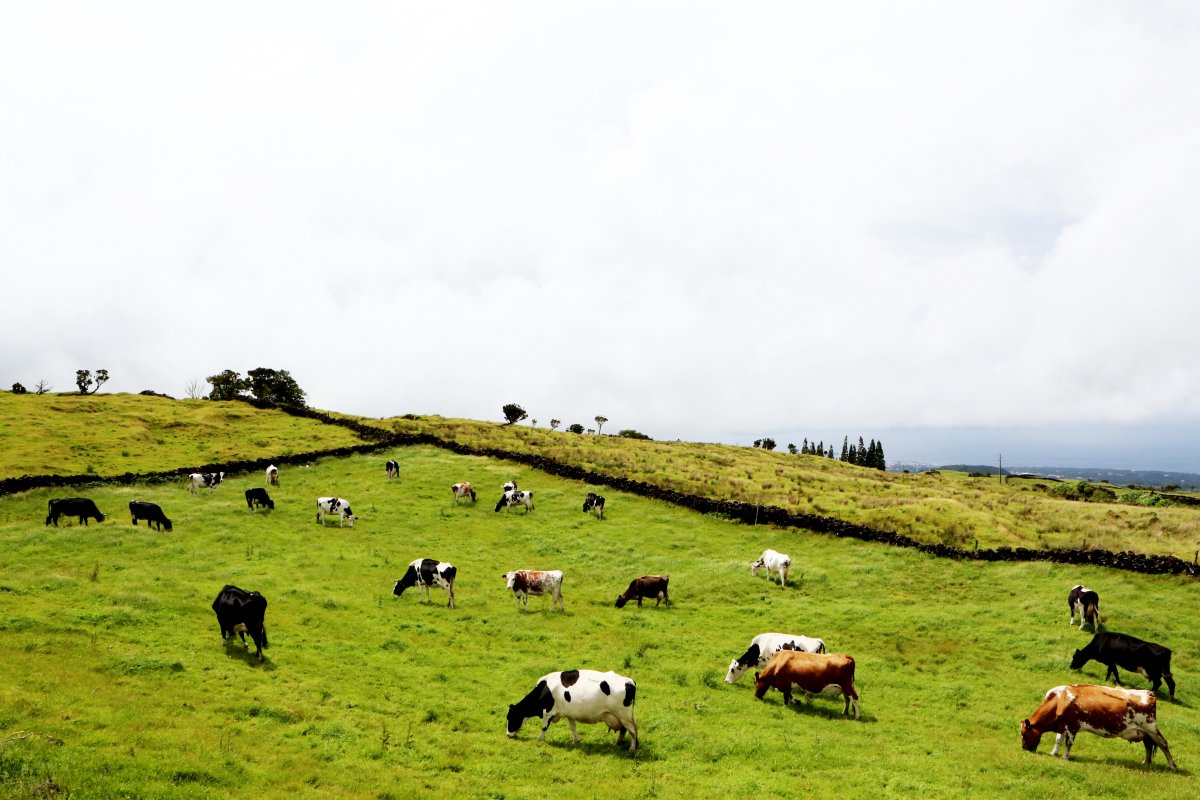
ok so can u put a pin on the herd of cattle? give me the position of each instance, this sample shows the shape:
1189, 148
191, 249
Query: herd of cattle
782, 661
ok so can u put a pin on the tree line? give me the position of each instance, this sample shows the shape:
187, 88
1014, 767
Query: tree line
862, 455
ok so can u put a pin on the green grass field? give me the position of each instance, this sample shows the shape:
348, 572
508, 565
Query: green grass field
111, 647
945, 507
113, 434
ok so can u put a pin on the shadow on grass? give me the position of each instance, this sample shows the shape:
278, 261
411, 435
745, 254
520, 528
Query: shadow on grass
235, 652
1131, 764
598, 748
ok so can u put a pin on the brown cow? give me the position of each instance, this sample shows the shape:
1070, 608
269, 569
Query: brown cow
646, 586
524, 582
1102, 710
814, 673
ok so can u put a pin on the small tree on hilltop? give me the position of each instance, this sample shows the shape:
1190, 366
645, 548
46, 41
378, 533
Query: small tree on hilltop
227, 385
792, 449
19, 389
554, 423
275, 386
513, 413
41, 387
575, 427
600, 422
768, 443
630, 433
83, 379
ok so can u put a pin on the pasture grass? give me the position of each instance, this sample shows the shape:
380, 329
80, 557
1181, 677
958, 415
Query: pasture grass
110, 645
942, 507
70, 434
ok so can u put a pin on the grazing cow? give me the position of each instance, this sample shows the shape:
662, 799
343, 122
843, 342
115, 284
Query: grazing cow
814, 673
328, 506
1085, 603
1152, 661
80, 507
524, 582
462, 490
1103, 710
393, 469
516, 498
259, 497
242, 612
594, 502
646, 586
774, 562
149, 512
765, 645
272, 475
579, 695
202, 480
424, 573
510, 486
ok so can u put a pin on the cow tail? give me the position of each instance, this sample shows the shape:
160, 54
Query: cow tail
266, 644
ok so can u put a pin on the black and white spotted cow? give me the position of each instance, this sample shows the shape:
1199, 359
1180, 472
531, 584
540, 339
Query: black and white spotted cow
425, 573
765, 645
594, 502
150, 512
1086, 603
205, 480
272, 475
331, 506
241, 612
516, 497
393, 469
579, 695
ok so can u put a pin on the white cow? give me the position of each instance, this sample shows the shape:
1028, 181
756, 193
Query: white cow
774, 562
513, 497
328, 506
424, 573
765, 645
524, 582
579, 695
201, 480
272, 475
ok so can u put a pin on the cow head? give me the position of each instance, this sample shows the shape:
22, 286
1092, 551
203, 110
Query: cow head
515, 720
735, 670
1078, 660
509, 577
1031, 737
621, 601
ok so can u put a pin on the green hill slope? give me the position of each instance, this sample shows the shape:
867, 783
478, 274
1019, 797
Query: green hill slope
114, 434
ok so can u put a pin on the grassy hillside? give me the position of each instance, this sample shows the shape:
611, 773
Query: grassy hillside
945, 507
111, 647
113, 434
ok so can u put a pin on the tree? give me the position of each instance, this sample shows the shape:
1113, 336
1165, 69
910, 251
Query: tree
768, 443
19, 389
630, 433
758, 442
880, 461
193, 391
600, 420
41, 387
275, 386
83, 379
513, 413
554, 423
227, 385
533, 422
575, 427
845, 448
792, 448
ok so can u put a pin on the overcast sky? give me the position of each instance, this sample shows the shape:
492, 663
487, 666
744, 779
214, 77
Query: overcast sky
708, 221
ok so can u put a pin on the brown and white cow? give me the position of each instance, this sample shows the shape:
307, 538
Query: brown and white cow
463, 490
813, 673
1129, 714
646, 586
524, 582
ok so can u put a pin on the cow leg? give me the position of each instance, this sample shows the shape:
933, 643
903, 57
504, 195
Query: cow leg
1170, 683
574, 733
1155, 739
1068, 740
639, 601
1112, 671
546, 720
1058, 737
450, 594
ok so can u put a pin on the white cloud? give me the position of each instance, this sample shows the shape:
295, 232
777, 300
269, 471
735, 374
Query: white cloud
697, 219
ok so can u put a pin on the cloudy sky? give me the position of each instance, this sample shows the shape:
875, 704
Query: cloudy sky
952, 226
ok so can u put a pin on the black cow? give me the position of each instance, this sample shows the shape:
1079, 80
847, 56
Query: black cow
73, 507
149, 512
594, 502
1086, 603
646, 586
242, 612
259, 497
425, 573
1152, 661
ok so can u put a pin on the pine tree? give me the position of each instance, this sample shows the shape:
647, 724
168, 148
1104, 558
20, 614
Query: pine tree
880, 461
804, 447
845, 448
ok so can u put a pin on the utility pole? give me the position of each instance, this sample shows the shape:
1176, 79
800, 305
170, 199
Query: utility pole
1002, 468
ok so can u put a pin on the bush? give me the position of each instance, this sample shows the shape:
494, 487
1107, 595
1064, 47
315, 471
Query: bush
1142, 497
19, 389
575, 427
630, 433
